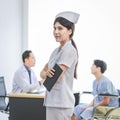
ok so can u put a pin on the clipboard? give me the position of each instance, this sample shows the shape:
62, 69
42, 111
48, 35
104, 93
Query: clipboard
49, 82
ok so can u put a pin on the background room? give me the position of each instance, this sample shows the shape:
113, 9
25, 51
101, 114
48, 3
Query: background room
28, 24
96, 35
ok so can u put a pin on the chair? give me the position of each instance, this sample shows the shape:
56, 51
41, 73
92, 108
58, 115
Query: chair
107, 113
78, 95
77, 98
104, 112
3, 103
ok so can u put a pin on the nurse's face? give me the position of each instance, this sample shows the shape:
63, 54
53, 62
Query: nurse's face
61, 33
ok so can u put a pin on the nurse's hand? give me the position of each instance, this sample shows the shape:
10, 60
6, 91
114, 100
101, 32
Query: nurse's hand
42, 81
50, 73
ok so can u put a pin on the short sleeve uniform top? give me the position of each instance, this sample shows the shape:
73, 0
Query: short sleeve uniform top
61, 94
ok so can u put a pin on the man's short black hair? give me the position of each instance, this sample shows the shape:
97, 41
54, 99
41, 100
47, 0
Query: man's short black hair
26, 54
101, 64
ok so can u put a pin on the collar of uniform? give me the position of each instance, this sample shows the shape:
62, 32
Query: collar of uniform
28, 69
67, 43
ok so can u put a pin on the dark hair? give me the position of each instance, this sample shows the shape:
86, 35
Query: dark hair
26, 54
69, 25
101, 64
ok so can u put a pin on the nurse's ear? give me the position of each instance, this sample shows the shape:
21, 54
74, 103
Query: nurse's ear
70, 31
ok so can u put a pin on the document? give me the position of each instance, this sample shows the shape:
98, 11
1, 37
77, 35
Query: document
49, 82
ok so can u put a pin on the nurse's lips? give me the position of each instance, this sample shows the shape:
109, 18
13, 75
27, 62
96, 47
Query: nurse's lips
56, 37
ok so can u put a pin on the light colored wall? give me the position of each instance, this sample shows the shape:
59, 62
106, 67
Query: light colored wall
97, 35
12, 39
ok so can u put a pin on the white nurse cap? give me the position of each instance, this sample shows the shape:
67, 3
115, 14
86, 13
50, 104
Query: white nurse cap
71, 16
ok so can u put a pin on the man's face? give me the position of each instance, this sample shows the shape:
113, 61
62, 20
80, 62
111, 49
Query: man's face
94, 69
31, 60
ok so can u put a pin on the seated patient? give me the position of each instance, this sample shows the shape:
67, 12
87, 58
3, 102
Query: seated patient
101, 85
25, 79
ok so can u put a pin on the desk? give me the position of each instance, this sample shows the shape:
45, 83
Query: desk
26, 107
29, 106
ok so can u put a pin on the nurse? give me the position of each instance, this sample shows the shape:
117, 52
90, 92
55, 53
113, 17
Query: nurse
60, 100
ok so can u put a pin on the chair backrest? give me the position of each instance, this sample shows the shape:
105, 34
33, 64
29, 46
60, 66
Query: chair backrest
119, 95
3, 104
77, 98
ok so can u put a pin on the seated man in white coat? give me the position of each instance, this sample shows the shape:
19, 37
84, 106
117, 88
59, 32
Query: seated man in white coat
25, 79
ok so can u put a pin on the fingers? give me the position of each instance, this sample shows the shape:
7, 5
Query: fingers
50, 73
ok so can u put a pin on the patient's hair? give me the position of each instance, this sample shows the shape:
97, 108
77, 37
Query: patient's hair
26, 54
101, 64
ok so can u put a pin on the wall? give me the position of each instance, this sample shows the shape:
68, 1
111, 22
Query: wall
12, 39
97, 35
